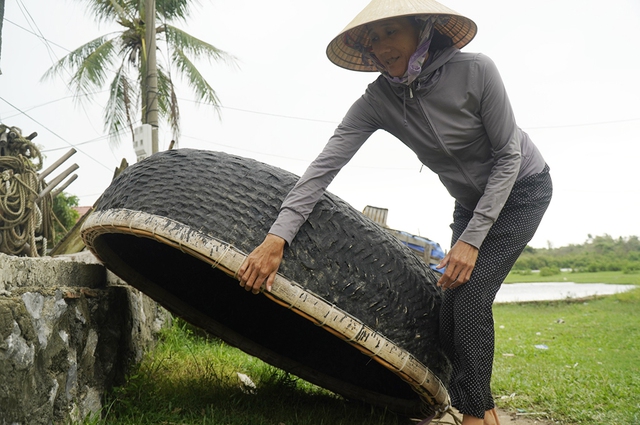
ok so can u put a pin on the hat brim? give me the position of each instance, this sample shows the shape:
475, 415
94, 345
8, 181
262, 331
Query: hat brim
345, 50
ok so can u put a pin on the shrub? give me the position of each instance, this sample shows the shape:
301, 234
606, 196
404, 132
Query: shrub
549, 271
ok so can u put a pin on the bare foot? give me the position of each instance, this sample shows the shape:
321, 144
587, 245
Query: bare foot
471, 420
491, 417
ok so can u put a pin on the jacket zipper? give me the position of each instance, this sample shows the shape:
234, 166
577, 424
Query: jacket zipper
446, 150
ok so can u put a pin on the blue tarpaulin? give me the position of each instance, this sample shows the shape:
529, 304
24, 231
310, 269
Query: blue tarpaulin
436, 250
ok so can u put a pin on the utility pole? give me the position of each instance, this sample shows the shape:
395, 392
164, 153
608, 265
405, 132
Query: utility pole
1, 21
151, 113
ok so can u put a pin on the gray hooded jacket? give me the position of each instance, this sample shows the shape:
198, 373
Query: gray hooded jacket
455, 116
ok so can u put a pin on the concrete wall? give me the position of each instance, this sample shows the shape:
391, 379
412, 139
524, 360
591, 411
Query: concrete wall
69, 331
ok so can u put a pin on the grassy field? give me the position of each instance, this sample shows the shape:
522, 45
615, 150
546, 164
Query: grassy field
577, 362
574, 362
598, 277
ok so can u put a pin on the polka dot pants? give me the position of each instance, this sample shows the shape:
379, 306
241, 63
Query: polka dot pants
466, 317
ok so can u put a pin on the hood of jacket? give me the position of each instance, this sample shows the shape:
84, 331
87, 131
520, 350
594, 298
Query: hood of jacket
429, 76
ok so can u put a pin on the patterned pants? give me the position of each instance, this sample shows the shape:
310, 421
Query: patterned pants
466, 317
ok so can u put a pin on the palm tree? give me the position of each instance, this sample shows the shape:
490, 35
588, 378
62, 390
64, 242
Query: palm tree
122, 55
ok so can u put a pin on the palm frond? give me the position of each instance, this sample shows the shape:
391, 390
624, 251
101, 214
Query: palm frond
168, 102
112, 10
118, 111
171, 10
88, 65
201, 88
192, 46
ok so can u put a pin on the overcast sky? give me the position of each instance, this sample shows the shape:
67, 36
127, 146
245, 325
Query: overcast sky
571, 69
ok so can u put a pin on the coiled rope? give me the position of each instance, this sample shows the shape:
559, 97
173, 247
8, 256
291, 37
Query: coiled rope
25, 220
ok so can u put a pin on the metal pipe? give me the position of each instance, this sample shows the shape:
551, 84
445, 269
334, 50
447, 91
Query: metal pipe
56, 164
59, 190
57, 181
3, 142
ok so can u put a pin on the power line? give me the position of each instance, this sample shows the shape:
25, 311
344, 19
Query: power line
54, 101
52, 56
280, 115
244, 150
335, 123
197, 102
583, 124
97, 139
48, 44
47, 41
305, 160
86, 142
30, 20
52, 132
37, 35
326, 121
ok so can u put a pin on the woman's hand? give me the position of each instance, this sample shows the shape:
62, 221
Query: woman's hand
459, 261
262, 264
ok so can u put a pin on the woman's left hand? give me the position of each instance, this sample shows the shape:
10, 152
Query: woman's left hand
459, 261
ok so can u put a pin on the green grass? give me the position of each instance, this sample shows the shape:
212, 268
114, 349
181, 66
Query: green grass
590, 373
619, 278
189, 379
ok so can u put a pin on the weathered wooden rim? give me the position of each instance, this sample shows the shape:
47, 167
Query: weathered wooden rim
289, 294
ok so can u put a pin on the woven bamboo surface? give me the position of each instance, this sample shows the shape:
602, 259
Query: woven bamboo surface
285, 292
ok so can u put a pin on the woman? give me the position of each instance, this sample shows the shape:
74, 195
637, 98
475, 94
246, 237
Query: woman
452, 110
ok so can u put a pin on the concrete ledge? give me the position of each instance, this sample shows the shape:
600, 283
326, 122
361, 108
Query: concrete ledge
47, 272
69, 331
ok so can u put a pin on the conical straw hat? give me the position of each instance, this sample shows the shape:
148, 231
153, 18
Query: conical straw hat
345, 50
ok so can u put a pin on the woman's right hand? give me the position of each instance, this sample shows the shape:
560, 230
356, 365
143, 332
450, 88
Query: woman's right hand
262, 264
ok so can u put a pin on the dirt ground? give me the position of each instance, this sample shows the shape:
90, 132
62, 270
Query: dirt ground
506, 418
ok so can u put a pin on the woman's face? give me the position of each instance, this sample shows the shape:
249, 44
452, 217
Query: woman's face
393, 41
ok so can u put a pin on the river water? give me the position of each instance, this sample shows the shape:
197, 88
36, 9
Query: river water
548, 291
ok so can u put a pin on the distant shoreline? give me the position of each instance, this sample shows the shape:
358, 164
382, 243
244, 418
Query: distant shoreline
556, 291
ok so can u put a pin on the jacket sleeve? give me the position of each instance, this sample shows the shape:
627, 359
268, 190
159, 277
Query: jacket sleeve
505, 138
349, 136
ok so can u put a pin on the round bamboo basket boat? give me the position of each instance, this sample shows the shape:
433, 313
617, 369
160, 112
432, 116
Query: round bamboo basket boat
351, 310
